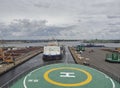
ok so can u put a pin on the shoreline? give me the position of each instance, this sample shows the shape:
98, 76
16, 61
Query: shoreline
97, 61
23, 58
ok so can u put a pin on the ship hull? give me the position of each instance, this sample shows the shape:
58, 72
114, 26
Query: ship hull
52, 57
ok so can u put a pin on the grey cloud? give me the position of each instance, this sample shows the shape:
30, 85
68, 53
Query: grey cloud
30, 28
25, 27
107, 3
63, 18
42, 5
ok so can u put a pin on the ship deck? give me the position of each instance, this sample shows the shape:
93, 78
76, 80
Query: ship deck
65, 76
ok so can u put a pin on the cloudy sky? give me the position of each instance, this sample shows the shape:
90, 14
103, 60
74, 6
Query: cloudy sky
61, 19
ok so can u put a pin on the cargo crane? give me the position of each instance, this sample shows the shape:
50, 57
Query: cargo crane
6, 57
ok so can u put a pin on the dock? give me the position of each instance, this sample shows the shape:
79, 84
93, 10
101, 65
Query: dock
5, 67
96, 59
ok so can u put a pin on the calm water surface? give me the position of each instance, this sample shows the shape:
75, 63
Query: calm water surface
61, 43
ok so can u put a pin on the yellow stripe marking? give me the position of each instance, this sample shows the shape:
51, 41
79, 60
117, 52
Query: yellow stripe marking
89, 77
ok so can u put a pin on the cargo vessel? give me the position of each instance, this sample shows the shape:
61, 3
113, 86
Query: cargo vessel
53, 51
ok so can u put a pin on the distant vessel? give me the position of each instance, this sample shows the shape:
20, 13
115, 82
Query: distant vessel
93, 45
53, 51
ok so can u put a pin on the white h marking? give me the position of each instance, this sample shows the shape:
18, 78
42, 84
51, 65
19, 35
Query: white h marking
67, 74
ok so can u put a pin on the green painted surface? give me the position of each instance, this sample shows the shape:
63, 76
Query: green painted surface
35, 79
113, 57
80, 76
80, 48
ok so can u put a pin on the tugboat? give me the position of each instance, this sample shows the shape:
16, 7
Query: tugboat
53, 51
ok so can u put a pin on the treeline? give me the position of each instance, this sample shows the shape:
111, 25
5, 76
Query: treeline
101, 41
32, 41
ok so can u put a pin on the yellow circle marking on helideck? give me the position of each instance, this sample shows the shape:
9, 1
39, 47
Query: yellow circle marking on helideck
89, 77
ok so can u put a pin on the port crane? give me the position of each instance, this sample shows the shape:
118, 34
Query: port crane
5, 57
